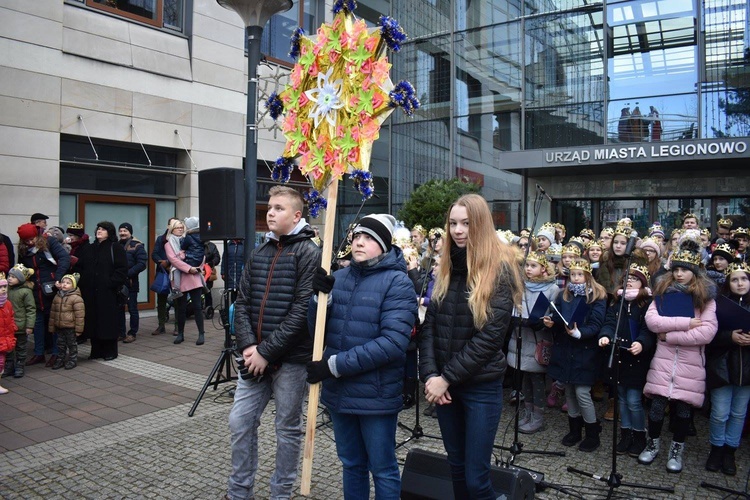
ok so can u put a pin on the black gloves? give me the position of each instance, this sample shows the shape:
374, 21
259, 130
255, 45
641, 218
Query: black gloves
322, 281
317, 371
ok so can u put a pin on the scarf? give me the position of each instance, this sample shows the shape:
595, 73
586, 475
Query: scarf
718, 276
632, 293
174, 242
3, 299
577, 289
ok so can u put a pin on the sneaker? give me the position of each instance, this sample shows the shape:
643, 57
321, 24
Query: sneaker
515, 396
9, 369
59, 363
70, 365
19, 371
128, 339
159, 330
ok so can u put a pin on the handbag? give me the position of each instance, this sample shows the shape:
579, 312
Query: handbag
543, 351
161, 284
49, 288
210, 273
123, 293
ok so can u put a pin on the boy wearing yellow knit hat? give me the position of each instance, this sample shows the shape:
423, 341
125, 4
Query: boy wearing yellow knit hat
67, 319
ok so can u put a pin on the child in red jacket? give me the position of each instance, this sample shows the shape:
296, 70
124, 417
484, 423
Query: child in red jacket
7, 326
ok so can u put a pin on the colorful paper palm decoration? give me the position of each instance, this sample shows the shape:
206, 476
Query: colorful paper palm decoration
338, 96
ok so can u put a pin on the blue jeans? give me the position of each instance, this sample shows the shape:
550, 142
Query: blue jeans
289, 387
40, 328
134, 318
367, 443
632, 414
468, 426
728, 411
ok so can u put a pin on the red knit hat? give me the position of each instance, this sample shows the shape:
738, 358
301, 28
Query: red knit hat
27, 231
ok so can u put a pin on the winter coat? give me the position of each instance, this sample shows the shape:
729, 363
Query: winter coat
4, 260
370, 318
195, 254
678, 367
450, 344
159, 253
232, 264
188, 281
104, 269
5, 241
137, 260
727, 363
45, 270
7, 328
68, 311
576, 361
213, 257
633, 369
531, 332
273, 297
24, 307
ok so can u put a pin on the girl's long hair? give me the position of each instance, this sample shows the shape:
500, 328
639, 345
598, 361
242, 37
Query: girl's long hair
700, 288
490, 262
594, 290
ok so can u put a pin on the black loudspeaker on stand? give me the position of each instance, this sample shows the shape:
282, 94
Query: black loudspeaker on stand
427, 475
221, 207
222, 370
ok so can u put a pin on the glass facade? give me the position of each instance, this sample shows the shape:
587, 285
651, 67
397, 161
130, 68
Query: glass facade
503, 77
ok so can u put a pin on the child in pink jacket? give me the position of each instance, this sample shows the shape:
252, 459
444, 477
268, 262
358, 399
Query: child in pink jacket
677, 370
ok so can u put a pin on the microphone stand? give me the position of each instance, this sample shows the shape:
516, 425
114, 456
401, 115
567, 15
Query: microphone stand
614, 480
517, 447
417, 431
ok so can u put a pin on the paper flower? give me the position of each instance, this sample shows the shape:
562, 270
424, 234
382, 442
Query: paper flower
338, 96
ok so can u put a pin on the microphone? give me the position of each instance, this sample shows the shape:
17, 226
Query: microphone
544, 193
631, 243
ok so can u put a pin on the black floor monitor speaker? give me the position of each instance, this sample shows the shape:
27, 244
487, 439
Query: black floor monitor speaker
221, 203
427, 475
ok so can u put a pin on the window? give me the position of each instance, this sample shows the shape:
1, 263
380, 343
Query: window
277, 34
160, 13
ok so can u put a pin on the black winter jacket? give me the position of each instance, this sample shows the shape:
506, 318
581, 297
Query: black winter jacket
273, 296
727, 363
137, 260
633, 369
451, 346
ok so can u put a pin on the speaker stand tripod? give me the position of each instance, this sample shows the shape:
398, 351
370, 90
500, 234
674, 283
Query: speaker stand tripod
222, 370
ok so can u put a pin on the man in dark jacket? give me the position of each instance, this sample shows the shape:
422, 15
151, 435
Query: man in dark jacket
270, 322
212, 259
137, 260
232, 265
372, 311
159, 256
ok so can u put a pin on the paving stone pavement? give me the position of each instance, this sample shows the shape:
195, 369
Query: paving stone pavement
121, 429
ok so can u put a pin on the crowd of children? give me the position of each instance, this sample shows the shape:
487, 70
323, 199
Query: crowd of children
655, 304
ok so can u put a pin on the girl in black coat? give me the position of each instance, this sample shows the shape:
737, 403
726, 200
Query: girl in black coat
104, 269
462, 362
728, 377
637, 348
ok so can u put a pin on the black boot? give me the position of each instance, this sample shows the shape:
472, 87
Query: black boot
591, 442
626, 441
9, 367
715, 458
576, 426
638, 444
728, 466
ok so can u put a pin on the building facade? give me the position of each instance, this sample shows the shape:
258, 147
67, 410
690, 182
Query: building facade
636, 108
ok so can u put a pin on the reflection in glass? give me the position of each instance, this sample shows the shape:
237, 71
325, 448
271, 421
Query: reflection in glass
475, 14
532, 7
574, 215
173, 14
736, 209
671, 212
653, 119
726, 82
141, 8
425, 18
652, 45
611, 211
275, 41
564, 66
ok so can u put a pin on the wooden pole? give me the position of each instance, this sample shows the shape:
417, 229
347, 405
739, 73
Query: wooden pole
320, 324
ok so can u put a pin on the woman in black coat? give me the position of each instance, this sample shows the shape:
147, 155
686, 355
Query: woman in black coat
104, 269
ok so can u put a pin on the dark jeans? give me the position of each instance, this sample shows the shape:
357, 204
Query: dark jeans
367, 443
181, 306
40, 335
468, 426
134, 317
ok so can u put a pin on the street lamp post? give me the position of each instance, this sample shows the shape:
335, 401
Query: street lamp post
255, 14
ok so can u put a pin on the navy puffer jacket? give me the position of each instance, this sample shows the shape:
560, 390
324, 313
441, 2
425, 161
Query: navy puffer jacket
369, 323
450, 344
272, 300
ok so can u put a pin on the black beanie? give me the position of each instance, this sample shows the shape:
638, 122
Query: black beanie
380, 227
127, 226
